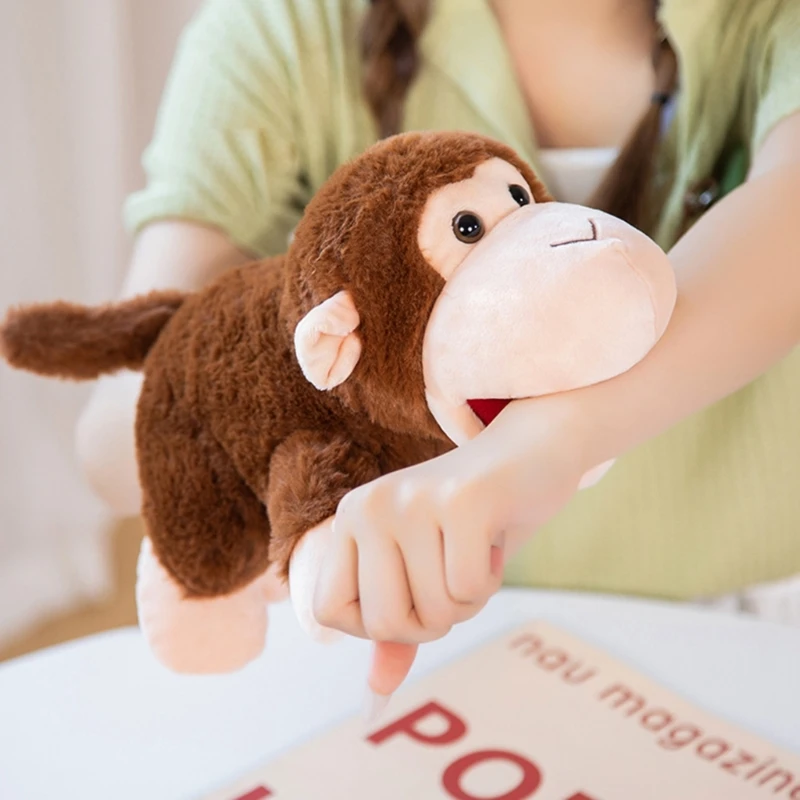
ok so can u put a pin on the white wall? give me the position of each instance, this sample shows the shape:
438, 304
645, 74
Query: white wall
80, 81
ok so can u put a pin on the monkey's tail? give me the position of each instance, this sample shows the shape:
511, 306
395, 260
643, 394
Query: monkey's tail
82, 342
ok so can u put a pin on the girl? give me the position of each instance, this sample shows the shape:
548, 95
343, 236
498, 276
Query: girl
681, 117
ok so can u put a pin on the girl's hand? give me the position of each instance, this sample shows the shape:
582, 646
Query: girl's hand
416, 551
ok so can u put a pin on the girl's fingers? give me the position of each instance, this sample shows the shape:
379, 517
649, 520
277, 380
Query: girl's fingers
336, 598
391, 664
423, 552
387, 608
497, 557
469, 564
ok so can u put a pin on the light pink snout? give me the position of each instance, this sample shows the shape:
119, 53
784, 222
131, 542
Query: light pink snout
555, 297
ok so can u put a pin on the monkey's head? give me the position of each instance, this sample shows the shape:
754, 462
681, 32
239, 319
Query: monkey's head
433, 280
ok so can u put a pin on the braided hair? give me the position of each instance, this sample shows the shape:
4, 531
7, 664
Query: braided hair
390, 57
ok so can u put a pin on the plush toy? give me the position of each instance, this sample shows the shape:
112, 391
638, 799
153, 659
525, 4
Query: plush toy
431, 281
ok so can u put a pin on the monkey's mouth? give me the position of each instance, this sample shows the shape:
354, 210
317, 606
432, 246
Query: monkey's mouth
487, 410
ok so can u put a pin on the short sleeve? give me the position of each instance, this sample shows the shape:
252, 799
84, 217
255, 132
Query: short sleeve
776, 70
224, 149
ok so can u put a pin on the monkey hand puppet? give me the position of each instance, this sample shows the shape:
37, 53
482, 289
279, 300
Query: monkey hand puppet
430, 282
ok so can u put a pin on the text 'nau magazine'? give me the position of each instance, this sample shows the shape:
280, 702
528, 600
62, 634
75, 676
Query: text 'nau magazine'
539, 714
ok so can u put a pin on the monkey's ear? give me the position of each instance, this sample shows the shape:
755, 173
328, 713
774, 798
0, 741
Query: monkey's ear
325, 341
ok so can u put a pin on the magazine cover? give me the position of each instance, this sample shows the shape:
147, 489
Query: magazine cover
536, 713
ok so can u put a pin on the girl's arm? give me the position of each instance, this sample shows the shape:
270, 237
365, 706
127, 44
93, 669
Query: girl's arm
738, 312
180, 255
167, 255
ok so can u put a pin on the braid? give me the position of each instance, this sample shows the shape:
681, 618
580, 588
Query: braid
389, 37
626, 190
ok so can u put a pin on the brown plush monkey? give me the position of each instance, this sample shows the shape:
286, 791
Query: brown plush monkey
430, 281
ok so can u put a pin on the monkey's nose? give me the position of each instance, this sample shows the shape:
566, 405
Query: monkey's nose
591, 238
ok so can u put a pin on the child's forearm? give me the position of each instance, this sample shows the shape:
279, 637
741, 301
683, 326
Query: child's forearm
174, 254
738, 313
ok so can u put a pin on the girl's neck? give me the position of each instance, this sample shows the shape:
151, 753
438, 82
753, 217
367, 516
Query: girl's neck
629, 19
596, 60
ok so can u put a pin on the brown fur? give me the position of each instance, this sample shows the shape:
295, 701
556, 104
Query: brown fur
238, 454
390, 34
69, 341
366, 219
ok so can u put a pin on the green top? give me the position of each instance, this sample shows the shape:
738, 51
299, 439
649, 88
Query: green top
264, 103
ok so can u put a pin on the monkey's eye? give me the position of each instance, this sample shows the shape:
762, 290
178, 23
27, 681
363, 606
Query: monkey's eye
520, 194
467, 227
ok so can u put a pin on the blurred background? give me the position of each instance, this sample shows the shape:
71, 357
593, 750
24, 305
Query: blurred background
80, 82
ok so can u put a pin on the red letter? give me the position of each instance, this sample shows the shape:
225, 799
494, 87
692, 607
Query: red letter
259, 793
580, 796
533, 643
546, 659
722, 747
664, 718
531, 777
456, 727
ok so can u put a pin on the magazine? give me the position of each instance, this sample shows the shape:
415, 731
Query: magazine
536, 713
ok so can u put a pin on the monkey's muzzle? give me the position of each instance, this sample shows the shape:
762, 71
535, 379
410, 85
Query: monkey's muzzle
554, 298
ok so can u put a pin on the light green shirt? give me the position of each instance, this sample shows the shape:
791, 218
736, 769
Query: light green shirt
264, 103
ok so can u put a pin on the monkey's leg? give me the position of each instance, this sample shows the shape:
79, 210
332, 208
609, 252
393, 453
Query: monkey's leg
310, 472
203, 584
202, 635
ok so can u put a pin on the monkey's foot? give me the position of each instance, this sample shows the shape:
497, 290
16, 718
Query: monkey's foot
201, 635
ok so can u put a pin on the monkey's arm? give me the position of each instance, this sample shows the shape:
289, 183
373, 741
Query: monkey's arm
310, 472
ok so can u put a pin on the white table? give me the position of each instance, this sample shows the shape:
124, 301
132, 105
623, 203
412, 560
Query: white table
98, 719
